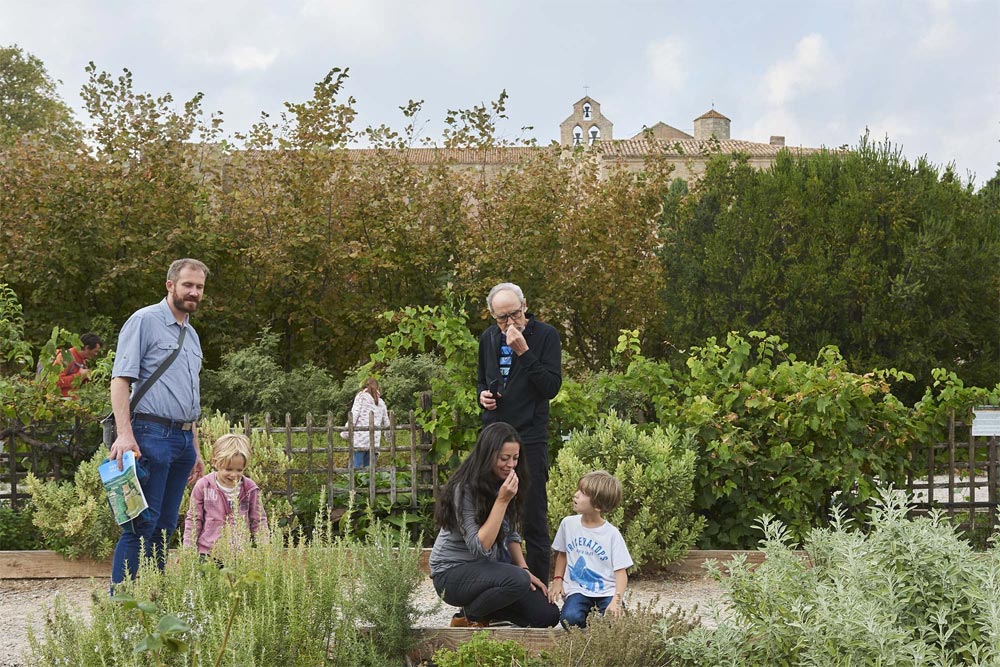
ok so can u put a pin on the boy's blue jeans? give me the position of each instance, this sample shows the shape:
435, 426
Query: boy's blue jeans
168, 456
578, 606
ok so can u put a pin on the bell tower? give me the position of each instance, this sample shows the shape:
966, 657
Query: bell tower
586, 126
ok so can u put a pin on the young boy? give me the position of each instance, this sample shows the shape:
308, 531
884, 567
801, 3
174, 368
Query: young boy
593, 549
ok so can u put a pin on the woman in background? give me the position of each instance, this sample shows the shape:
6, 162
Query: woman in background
368, 403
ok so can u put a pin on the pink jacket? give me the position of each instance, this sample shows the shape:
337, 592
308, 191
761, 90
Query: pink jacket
209, 512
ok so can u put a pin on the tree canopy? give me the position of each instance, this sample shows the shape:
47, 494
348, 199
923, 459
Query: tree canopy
894, 263
30, 105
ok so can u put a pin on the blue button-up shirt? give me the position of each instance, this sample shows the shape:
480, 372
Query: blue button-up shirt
145, 342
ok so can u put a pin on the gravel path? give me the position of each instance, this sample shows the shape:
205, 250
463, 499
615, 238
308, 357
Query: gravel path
25, 602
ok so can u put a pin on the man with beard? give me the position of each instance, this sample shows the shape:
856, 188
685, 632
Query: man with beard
159, 429
520, 371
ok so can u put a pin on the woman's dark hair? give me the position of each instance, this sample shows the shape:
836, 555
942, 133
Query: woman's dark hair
475, 475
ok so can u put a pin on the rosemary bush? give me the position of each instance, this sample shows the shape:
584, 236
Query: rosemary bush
900, 592
389, 574
299, 605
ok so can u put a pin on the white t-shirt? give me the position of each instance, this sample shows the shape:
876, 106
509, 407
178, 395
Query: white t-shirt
592, 556
232, 495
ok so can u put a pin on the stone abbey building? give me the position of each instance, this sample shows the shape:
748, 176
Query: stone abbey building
588, 129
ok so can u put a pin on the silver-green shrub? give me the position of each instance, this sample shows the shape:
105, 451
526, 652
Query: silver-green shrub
901, 592
656, 469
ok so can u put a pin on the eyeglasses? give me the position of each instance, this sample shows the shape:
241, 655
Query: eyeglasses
512, 315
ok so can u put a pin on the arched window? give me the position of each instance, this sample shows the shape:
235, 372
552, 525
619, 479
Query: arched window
577, 135
595, 134
586, 111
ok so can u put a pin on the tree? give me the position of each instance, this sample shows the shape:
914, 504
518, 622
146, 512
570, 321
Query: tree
894, 263
30, 106
85, 235
579, 238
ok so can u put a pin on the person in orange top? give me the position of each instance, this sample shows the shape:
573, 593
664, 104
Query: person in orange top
76, 372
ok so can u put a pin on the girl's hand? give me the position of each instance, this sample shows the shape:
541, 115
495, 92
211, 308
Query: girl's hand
508, 489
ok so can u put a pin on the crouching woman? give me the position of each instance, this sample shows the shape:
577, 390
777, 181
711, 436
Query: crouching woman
477, 562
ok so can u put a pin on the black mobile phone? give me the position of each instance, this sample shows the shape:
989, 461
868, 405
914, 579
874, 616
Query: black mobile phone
495, 389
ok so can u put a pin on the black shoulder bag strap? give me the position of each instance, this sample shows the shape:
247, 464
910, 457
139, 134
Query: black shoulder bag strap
141, 391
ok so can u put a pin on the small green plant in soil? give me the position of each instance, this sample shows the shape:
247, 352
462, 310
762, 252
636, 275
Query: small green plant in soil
484, 651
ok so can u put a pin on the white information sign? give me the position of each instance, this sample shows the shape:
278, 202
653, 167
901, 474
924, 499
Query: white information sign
986, 420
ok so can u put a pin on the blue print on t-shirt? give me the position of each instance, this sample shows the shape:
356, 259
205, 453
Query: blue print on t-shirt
583, 575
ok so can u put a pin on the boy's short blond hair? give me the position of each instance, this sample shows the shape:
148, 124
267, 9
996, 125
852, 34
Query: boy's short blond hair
228, 446
603, 489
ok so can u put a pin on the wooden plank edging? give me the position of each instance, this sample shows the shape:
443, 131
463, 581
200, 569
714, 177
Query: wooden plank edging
50, 565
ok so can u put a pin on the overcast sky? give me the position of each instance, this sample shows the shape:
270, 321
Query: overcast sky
924, 72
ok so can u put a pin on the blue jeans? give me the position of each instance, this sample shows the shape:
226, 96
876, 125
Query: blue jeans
168, 456
578, 606
361, 458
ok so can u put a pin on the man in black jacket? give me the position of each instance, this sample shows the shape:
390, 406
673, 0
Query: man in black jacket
520, 371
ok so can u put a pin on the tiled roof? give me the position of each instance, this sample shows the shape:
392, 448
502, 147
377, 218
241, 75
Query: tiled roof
617, 149
496, 155
662, 131
711, 113
631, 148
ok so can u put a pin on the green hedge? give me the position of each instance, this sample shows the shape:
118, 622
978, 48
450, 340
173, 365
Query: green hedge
656, 469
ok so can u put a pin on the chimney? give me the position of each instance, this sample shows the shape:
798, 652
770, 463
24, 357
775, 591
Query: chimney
777, 141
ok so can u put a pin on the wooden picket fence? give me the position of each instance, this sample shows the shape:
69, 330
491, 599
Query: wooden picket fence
402, 442
404, 464
959, 477
50, 450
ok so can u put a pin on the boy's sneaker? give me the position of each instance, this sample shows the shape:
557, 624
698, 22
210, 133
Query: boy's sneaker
502, 624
